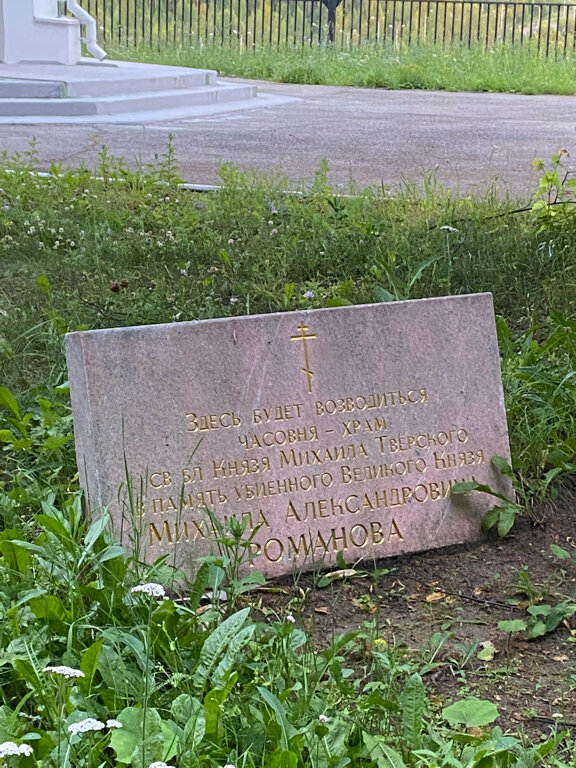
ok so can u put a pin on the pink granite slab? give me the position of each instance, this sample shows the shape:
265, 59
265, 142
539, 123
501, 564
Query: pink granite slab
333, 430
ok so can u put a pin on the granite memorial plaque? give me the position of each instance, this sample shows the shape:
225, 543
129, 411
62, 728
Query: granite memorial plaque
331, 430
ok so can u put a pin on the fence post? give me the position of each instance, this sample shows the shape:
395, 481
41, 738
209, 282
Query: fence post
331, 5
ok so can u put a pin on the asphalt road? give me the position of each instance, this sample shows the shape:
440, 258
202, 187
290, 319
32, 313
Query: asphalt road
468, 142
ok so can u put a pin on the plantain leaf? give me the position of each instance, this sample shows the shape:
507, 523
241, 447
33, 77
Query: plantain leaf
286, 730
215, 646
381, 753
235, 646
8, 400
412, 704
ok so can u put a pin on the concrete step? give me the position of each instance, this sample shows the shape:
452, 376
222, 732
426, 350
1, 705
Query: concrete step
170, 81
11, 88
122, 103
201, 112
121, 92
100, 79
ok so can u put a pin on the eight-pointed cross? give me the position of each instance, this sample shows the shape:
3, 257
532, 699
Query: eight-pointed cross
303, 337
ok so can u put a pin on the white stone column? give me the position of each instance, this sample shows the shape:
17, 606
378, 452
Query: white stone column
32, 31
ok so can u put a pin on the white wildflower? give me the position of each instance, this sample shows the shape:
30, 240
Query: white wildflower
323, 718
229, 765
113, 724
152, 589
11, 748
160, 764
290, 619
448, 228
85, 726
65, 671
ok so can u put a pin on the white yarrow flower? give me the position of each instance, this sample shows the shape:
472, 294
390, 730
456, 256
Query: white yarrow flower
160, 764
113, 724
152, 589
65, 671
85, 726
11, 748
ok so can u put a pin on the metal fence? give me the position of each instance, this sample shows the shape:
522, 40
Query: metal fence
550, 27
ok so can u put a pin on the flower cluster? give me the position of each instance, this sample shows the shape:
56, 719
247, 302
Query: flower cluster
160, 764
65, 671
91, 724
85, 726
11, 748
152, 589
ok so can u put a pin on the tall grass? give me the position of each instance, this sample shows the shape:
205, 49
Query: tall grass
455, 68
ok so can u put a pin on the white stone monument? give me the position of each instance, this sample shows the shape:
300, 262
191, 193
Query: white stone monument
34, 31
44, 78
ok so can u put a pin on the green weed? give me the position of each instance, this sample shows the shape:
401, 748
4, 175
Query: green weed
103, 661
420, 66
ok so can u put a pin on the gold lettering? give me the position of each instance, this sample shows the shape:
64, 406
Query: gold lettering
211, 421
159, 535
277, 413
395, 531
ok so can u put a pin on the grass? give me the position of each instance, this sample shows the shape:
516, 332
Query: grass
214, 685
502, 69
83, 253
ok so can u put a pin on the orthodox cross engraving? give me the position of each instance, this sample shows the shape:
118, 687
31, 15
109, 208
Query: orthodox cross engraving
303, 336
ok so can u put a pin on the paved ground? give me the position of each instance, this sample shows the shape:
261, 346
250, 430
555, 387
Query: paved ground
465, 141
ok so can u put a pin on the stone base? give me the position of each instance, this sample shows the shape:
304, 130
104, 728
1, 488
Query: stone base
117, 91
31, 30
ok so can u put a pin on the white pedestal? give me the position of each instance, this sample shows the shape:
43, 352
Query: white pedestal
31, 30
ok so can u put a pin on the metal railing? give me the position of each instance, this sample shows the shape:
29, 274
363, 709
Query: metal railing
550, 27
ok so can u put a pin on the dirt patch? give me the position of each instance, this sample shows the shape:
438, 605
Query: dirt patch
443, 608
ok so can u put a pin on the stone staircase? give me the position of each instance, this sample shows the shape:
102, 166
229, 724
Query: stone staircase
119, 92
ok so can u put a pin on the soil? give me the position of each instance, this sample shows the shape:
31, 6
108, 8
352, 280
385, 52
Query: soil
443, 607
